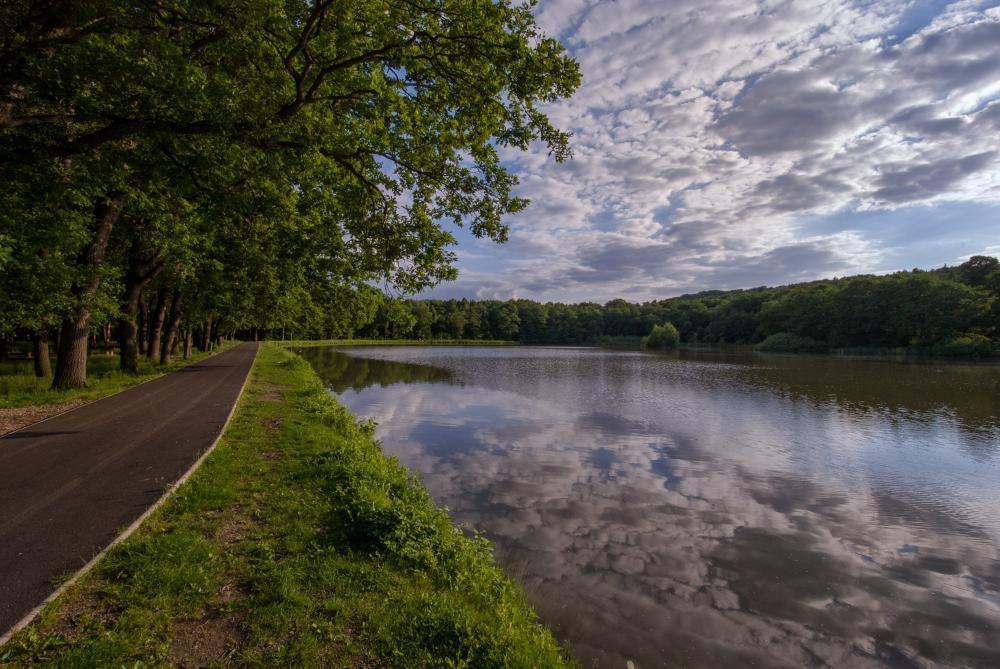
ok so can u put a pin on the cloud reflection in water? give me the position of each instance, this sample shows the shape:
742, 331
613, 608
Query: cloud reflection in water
714, 511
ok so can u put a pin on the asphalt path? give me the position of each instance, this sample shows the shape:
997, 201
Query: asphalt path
71, 483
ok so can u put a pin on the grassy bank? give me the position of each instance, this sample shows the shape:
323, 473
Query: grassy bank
19, 387
296, 544
398, 342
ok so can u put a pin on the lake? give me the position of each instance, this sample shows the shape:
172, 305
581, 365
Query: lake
703, 509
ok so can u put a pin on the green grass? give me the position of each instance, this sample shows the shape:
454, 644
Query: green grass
623, 342
398, 342
20, 387
299, 544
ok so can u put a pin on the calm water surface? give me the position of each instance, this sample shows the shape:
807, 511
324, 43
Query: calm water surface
713, 510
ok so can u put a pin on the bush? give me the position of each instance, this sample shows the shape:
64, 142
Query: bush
967, 345
663, 336
785, 342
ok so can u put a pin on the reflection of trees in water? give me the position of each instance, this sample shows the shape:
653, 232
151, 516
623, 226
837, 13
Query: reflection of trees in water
970, 394
341, 372
591, 472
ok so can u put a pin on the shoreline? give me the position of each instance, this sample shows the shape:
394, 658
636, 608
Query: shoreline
297, 542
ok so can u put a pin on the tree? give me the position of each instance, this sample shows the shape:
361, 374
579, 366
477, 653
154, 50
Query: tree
976, 270
663, 337
356, 128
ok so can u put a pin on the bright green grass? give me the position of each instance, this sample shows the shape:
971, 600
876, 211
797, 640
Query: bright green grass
398, 342
20, 387
297, 544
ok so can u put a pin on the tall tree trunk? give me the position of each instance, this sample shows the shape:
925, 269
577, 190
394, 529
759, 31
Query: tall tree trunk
156, 324
71, 365
128, 331
142, 323
175, 321
206, 334
40, 341
187, 342
141, 270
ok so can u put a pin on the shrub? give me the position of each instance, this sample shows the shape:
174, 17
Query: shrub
967, 345
663, 336
785, 342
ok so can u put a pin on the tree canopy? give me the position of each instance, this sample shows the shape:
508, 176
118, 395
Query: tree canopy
263, 161
919, 310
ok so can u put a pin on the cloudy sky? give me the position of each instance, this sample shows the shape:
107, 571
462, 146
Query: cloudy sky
730, 144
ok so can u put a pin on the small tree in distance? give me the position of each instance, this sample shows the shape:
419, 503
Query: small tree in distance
663, 337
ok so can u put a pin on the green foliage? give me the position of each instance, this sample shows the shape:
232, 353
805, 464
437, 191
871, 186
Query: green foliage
907, 310
302, 544
784, 342
976, 270
622, 342
967, 345
663, 337
270, 161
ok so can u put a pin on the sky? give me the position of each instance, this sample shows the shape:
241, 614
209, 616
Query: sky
731, 144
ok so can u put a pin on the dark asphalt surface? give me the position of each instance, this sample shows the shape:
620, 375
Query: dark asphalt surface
70, 484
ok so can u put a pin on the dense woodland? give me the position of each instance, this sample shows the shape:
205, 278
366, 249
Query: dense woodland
179, 171
952, 309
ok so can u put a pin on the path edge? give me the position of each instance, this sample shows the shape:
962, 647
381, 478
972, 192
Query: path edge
212, 354
128, 531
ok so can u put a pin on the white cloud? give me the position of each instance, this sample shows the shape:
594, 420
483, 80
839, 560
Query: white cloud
706, 133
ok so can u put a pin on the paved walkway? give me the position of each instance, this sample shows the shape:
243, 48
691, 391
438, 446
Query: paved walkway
70, 484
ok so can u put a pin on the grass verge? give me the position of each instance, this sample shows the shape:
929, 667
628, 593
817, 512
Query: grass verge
297, 543
398, 342
19, 387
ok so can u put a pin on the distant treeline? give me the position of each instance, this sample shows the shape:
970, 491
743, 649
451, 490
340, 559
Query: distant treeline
948, 310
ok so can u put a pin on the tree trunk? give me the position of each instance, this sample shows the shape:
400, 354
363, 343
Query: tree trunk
141, 324
187, 343
206, 334
175, 321
156, 324
40, 340
128, 331
71, 365
141, 270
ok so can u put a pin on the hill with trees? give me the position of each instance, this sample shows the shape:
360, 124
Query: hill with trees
951, 310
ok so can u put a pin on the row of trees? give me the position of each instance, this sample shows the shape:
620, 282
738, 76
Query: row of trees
239, 164
906, 309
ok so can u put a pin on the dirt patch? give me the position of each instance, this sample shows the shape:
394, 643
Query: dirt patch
234, 529
230, 592
272, 392
270, 456
15, 418
202, 643
271, 424
85, 611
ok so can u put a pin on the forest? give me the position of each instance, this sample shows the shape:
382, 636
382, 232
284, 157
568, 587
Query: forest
950, 310
175, 172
